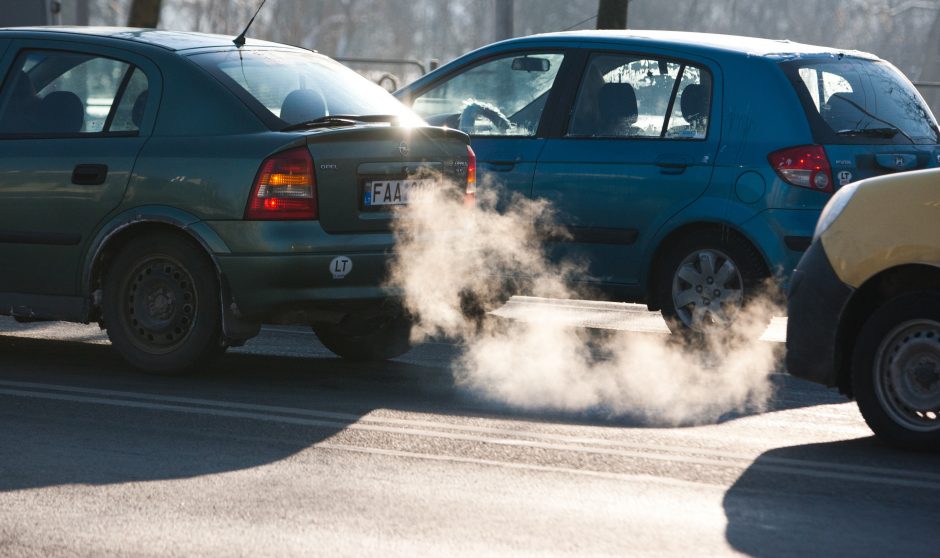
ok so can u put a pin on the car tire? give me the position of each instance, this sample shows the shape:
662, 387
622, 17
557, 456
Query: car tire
161, 305
380, 338
704, 279
896, 371
475, 306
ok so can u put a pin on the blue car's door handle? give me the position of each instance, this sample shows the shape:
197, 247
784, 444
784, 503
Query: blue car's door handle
668, 165
500, 166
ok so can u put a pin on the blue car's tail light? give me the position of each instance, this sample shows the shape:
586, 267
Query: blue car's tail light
806, 166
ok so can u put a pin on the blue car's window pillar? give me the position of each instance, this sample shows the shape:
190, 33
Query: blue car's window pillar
505, 96
638, 96
55, 93
692, 106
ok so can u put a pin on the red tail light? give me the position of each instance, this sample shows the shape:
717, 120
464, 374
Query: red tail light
285, 188
806, 166
470, 194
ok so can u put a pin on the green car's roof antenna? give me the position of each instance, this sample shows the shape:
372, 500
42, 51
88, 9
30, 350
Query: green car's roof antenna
240, 39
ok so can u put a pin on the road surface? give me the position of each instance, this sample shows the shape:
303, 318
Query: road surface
282, 449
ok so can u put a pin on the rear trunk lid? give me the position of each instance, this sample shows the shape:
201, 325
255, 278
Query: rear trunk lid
364, 172
855, 162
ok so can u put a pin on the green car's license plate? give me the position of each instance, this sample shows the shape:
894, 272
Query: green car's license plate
392, 192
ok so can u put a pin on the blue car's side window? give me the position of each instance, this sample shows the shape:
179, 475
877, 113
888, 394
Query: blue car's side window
637, 96
501, 97
56, 93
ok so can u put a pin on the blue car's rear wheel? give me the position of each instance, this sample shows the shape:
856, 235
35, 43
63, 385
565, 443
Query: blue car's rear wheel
161, 305
705, 280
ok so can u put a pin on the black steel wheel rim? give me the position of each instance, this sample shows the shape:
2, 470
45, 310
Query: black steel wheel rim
907, 375
159, 304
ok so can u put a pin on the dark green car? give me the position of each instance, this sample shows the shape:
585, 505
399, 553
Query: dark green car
182, 190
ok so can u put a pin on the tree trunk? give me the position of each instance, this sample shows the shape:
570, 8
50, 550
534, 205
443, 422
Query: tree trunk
930, 72
612, 14
502, 20
144, 13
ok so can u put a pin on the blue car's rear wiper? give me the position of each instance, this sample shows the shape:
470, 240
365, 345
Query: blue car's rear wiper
887, 132
340, 120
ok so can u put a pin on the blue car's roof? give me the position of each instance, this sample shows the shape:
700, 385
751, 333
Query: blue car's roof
171, 40
700, 42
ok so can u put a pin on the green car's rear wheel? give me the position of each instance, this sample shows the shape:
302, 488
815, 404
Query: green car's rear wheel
374, 339
161, 305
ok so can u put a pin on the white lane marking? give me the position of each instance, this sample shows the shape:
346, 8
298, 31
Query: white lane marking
519, 466
817, 469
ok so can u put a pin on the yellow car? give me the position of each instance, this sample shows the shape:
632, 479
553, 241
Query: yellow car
864, 304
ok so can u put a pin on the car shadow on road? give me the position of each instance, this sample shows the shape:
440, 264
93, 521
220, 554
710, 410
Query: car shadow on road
80, 414
76, 413
848, 498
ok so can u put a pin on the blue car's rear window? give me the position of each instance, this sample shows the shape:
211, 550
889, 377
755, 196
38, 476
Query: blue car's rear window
854, 100
298, 87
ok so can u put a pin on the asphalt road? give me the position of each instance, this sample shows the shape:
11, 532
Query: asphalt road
282, 449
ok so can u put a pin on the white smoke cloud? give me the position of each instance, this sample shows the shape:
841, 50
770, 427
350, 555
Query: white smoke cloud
447, 251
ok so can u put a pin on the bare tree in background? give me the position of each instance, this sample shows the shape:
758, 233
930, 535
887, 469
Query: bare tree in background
502, 20
144, 13
612, 14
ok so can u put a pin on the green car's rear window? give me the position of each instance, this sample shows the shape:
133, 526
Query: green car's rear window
298, 87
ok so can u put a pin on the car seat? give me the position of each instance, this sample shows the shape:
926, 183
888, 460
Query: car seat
618, 111
60, 112
694, 106
21, 106
137, 111
302, 105
842, 112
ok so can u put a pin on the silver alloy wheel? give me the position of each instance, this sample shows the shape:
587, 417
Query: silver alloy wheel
907, 375
707, 290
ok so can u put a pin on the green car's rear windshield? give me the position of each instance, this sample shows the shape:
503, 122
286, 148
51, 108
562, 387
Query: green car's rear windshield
854, 100
299, 87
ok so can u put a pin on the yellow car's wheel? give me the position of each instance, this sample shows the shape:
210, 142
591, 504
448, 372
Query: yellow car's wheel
896, 371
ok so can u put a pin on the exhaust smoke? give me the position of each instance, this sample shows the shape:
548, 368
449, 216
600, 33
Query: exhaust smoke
449, 254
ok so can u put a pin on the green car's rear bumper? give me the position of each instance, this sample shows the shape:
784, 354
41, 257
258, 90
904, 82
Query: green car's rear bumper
292, 271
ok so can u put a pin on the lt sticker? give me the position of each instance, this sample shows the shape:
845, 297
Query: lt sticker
844, 178
340, 267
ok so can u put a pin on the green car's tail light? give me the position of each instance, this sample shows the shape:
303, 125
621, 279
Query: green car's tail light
805, 166
470, 194
286, 188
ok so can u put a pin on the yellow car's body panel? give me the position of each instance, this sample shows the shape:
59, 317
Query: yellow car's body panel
891, 221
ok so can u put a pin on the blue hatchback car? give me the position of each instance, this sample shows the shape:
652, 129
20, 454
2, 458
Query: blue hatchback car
687, 167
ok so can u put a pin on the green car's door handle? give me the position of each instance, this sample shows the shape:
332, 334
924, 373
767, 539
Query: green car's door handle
89, 175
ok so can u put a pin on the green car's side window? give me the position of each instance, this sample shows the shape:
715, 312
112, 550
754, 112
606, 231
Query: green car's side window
56, 93
129, 110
